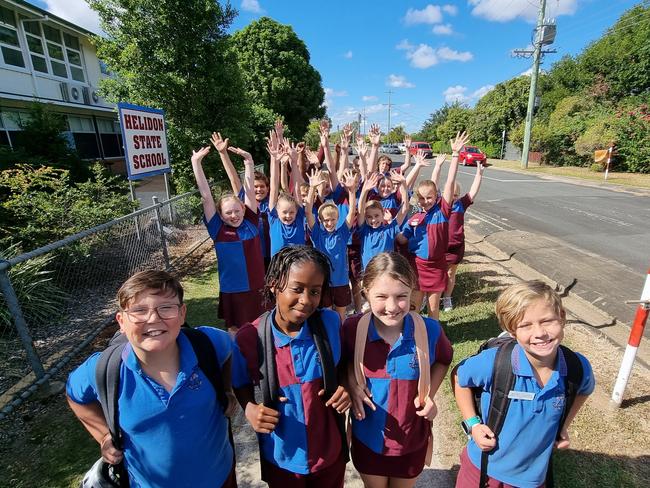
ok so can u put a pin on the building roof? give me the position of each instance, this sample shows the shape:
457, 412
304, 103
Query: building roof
35, 9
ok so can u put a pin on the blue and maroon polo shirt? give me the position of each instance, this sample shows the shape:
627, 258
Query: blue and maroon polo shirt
428, 232
306, 439
392, 373
263, 224
457, 220
239, 253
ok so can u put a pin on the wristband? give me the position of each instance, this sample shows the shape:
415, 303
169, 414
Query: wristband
469, 423
454, 154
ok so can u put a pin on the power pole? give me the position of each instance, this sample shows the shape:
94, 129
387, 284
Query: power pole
389, 106
539, 40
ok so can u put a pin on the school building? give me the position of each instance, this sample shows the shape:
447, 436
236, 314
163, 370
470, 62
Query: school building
46, 59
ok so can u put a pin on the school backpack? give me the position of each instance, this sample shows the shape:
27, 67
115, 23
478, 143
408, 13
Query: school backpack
269, 383
422, 352
503, 380
107, 376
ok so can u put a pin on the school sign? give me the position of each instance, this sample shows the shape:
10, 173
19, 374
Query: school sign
145, 140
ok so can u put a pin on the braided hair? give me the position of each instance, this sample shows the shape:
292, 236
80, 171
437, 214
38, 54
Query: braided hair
278, 273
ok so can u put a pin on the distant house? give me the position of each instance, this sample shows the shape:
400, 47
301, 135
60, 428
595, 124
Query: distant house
46, 59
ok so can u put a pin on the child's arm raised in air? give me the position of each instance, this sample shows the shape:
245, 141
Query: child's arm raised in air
343, 155
351, 182
249, 177
481, 433
325, 143
407, 155
362, 152
398, 179
368, 185
435, 175
456, 146
296, 175
274, 152
284, 174
221, 145
209, 207
315, 179
420, 162
478, 178
374, 134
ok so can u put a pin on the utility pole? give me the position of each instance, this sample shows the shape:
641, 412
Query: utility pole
389, 107
544, 34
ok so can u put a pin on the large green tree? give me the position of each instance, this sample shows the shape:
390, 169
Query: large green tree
275, 65
174, 55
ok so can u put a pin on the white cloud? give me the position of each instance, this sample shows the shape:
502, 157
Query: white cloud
422, 57
331, 92
348, 55
431, 14
450, 9
396, 81
453, 55
373, 109
526, 73
405, 45
75, 11
443, 29
369, 98
252, 6
456, 94
506, 10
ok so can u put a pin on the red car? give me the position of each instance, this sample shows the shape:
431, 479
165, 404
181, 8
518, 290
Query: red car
471, 156
421, 146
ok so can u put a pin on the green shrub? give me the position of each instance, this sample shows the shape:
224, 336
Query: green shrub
440, 147
633, 138
596, 167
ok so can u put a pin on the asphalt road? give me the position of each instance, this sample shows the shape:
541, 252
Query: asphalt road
594, 240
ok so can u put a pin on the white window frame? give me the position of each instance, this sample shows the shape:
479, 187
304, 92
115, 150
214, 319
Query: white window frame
20, 47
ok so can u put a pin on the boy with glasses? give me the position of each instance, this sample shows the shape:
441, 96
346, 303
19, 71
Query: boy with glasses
174, 431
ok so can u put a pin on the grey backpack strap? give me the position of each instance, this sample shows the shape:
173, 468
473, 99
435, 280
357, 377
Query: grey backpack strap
324, 348
269, 383
107, 376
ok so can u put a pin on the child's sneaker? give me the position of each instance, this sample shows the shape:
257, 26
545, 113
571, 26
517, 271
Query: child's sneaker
446, 304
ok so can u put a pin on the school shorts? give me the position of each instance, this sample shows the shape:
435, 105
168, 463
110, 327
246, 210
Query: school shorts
339, 296
455, 254
432, 275
469, 475
354, 261
239, 308
330, 477
367, 461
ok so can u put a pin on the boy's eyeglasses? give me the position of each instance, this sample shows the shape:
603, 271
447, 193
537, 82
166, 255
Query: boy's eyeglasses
168, 311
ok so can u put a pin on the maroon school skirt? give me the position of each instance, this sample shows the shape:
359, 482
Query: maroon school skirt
432, 275
455, 254
339, 296
239, 308
367, 461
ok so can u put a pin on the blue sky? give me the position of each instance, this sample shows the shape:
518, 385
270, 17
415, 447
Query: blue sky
425, 52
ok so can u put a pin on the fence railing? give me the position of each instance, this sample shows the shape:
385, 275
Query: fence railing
59, 297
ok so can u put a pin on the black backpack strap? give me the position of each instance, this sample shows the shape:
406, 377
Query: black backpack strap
269, 383
107, 377
208, 362
324, 348
503, 379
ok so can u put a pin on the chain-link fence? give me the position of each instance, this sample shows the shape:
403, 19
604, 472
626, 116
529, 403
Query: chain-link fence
58, 298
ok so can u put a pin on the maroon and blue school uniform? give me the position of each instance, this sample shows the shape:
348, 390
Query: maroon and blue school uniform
456, 245
263, 224
241, 267
375, 241
392, 440
306, 438
428, 235
286, 235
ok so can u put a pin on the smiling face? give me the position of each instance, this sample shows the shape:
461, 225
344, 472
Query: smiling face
389, 300
152, 334
384, 164
232, 211
385, 187
261, 190
300, 297
286, 211
374, 217
540, 331
329, 218
427, 196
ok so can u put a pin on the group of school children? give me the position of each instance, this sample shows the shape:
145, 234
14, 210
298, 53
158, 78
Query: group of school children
296, 252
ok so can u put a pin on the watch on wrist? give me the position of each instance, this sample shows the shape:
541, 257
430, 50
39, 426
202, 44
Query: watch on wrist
467, 424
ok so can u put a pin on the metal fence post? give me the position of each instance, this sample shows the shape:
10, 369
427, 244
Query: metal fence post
161, 231
19, 320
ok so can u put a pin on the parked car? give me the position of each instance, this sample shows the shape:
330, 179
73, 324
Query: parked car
424, 146
392, 149
471, 156
402, 147
383, 148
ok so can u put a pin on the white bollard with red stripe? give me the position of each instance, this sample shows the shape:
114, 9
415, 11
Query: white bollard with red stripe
633, 343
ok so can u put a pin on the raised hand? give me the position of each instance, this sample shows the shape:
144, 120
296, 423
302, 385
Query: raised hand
316, 178
218, 142
397, 177
420, 160
350, 180
312, 157
197, 156
272, 148
440, 159
407, 141
240, 152
458, 143
372, 181
480, 168
279, 128
374, 134
324, 127
300, 147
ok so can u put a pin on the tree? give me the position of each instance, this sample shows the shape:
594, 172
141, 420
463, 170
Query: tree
396, 134
428, 132
456, 120
276, 69
175, 55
